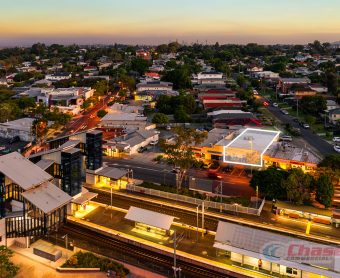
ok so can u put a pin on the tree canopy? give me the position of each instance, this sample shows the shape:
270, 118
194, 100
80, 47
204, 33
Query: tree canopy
179, 152
7, 268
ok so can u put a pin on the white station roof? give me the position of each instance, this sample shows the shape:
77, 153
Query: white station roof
22, 171
151, 218
112, 173
47, 197
274, 247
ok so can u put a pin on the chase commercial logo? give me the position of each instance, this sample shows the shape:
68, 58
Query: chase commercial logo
300, 252
274, 250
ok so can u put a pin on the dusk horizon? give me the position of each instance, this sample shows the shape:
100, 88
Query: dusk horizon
227, 22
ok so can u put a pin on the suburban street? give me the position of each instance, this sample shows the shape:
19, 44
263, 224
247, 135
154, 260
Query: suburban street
313, 139
86, 120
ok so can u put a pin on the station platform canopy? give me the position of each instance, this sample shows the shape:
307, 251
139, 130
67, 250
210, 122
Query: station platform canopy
22, 171
150, 218
45, 163
278, 248
249, 146
47, 197
112, 173
84, 197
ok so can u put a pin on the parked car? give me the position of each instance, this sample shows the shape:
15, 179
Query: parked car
142, 149
227, 169
306, 125
336, 139
153, 143
284, 112
14, 140
176, 169
275, 104
286, 138
337, 149
207, 165
214, 175
168, 127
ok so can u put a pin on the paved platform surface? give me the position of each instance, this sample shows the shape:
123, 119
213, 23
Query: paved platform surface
113, 221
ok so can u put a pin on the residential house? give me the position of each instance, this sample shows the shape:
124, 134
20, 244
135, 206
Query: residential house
58, 76
130, 142
286, 83
334, 116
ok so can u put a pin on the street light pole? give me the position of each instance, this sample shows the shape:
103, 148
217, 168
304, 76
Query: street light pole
203, 219
111, 198
197, 223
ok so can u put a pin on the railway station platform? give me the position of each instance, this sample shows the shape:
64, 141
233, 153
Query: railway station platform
196, 245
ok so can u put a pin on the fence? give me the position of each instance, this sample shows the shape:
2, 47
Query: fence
237, 208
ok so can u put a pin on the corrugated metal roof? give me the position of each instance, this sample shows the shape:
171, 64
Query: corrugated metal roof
47, 197
151, 218
23, 172
112, 173
263, 242
44, 163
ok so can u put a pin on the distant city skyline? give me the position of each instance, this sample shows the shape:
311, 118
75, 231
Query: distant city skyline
24, 22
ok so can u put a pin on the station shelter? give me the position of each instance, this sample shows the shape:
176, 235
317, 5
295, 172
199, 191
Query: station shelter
276, 254
150, 221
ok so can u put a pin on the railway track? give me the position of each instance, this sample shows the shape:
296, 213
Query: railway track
188, 270
185, 217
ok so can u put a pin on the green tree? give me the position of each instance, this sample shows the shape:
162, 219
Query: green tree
331, 161
270, 183
7, 268
325, 190
179, 152
140, 65
313, 104
8, 111
101, 87
26, 103
180, 115
298, 186
180, 77
189, 104
101, 113
310, 119
332, 82
160, 118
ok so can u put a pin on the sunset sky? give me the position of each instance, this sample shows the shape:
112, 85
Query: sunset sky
152, 22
